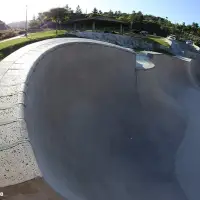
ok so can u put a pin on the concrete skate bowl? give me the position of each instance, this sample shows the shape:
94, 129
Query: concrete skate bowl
100, 128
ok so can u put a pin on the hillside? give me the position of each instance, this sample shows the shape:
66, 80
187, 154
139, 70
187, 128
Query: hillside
20, 24
3, 26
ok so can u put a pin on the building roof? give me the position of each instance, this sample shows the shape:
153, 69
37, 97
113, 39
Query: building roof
99, 18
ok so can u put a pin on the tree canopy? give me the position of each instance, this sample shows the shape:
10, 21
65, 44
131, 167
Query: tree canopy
78, 10
137, 20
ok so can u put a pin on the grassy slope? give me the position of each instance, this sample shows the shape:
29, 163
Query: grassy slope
159, 40
150, 38
32, 36
10, 46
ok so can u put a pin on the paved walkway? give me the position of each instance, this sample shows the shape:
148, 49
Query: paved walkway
12, 38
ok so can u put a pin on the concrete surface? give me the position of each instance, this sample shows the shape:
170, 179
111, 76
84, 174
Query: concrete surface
143, 61
100, 126
182, 49
12, 38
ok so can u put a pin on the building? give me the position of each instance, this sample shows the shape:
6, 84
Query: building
98, 23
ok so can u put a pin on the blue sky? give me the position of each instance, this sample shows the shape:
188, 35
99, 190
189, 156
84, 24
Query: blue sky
187, 11
177, 11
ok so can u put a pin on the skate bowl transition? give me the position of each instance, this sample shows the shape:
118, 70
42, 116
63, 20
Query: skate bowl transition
96, 121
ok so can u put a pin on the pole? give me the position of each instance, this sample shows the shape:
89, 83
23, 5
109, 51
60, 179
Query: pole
121, 29
93, 26
26, 23
56, 22
56, 27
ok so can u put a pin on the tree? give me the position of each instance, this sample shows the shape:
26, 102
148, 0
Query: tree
136, 17
198, 32
124, 17
95, 12
195, 27
140, 16
131, 18
189, 28
41, 18
100, 12
78, 10
34, 23
110, 13
58, 15
68, 10
117, 14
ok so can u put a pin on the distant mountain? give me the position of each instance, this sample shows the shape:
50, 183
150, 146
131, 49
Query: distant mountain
20, 24
3, 26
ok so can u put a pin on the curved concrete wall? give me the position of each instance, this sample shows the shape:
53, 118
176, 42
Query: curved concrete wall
101, 127
86, 92
173, 88
188, 160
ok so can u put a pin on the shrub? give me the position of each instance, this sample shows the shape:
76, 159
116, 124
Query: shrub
21, 32
7, 34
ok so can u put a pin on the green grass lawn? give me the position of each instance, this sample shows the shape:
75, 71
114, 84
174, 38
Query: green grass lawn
10, 46
159, 40
32, 36
150, 38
